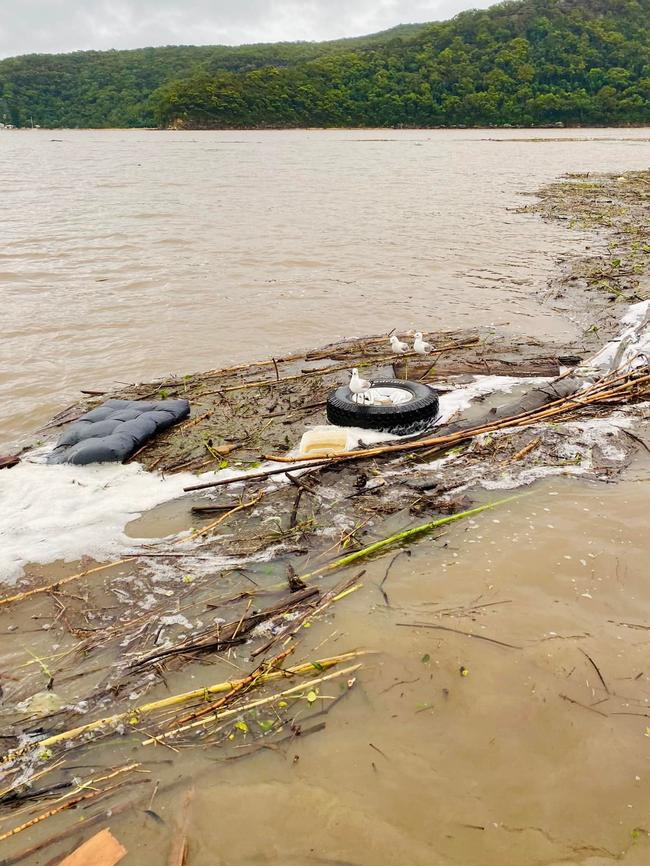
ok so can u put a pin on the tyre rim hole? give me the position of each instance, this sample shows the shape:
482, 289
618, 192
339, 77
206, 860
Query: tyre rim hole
388, 396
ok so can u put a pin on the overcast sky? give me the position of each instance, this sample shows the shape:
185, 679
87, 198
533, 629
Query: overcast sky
28, 26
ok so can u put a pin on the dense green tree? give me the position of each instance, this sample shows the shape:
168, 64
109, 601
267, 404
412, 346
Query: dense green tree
528, 62
113, 88
518, 63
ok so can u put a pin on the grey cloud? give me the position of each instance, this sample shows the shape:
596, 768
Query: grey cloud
28, 26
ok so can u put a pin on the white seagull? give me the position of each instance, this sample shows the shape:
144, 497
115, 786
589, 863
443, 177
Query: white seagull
420, 346
358, 386
397, 346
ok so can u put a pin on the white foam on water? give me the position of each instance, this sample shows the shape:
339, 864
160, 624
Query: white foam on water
603, 433
176, 619
581, 438
65, 512
526, 477
52, 512
461, 398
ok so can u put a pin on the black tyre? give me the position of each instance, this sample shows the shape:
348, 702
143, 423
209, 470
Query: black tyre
417, 409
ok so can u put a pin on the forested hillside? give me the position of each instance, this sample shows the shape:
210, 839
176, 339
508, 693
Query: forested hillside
533, 62
524, 63
113, 88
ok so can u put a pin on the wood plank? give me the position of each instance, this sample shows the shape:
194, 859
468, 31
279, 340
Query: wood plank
102, 849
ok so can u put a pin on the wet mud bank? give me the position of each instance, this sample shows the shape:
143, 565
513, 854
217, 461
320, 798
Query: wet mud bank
612, 271
479, 696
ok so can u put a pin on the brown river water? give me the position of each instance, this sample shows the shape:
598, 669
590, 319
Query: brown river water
127, 255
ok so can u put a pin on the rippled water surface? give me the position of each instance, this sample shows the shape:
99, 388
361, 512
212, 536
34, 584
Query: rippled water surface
528, 760
129, 254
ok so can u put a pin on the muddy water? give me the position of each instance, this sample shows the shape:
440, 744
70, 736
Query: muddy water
488, 769
529, 759
533, 758
127, 255
424, 766
421, 765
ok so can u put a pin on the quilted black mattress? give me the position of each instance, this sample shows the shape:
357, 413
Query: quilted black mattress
115, 430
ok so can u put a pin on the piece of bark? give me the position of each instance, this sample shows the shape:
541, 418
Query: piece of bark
102, 849
180, 847
9, 461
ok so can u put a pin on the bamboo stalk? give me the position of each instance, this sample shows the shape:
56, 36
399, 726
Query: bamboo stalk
335, 594
295, 356
192, 422
200, 532
69, 804
250, 680
136, 713
257, 476
33, 778
76, 786
236, 711
90, 821
527, 449
51, 812
21, 596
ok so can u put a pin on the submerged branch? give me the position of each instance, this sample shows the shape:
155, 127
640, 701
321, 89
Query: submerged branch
406, 536
134, 715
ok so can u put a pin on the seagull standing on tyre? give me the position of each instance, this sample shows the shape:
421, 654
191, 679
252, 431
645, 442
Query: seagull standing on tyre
358, 386
397, 346
420, 346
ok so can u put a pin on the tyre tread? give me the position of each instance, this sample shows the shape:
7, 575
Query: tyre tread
344, 412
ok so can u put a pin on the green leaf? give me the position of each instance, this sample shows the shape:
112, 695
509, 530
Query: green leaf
425, 658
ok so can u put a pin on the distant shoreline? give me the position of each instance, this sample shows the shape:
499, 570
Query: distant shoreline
385, 129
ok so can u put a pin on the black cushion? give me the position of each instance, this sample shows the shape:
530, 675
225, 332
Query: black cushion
113, 431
